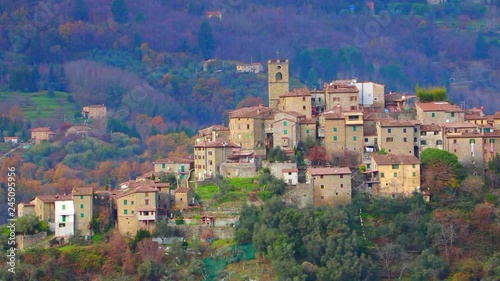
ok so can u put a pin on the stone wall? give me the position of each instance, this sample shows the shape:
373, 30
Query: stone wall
194, 231
238, 170
300, 195
25, 241
276, 168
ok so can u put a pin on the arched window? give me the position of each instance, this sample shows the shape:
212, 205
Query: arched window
279, 76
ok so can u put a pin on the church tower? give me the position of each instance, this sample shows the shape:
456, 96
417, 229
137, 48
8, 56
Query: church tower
278, 80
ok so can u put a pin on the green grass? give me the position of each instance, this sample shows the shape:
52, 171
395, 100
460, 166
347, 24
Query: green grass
40, 105
222, 242
69, 248
207, 192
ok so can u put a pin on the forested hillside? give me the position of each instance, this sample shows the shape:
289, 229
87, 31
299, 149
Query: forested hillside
146, 56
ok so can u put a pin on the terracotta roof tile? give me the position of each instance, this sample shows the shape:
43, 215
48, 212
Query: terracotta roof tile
83, 191
329, 171
397, 123
299, 92
252, 112
389, 159
438, 106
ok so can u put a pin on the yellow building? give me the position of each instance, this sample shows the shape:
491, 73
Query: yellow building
438, 112
208, 156
341, 131
42, 134
136, 209
395, 174
331, 185
214, 133
298, 100
343, 95
183, 197
399, 136
83, 200
248, 127
278, 80
25, 209
94, 111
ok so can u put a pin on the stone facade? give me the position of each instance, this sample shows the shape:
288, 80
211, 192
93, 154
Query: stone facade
94, 111
331, 186
399, 136
439, 112
209, 156
395, 174
278, 80
136, 209
83, 200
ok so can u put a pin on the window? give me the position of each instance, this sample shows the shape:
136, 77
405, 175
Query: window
415, 139
146, 201
248, 136
405, 139
354, 138
81, 197
395, 175
436, 133
439, 142
413, 166
131, 202
492, 140
81, 206
454, 141
354, 128
395, 166
248, 126
64, 218
304, 107
125, 212
382, 175
353, 108
366, 139
124, 202
132, 212
210, 162
210, 153
415, 130
423, 133
453, 114
307, 131
64, 207
163, 166
322, 186
414, 174
341, 185
322, 197
82, 215
279, 76
433, 114
321, 176
285, 132
285, 123
404, 130
389, 131
334, 138
389, 139
335, 129
472, 141
341, 176
319, 99
62, 225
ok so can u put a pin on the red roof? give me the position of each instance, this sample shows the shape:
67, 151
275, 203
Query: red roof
83, 191
329, 171
438, 106
389, 159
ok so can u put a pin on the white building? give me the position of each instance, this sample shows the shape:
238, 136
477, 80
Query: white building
291, 176
64, 216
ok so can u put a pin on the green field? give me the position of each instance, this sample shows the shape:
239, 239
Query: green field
40, 105
236, 190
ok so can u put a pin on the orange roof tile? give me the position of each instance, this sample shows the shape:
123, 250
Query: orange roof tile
389, 159
329, 171
438, 106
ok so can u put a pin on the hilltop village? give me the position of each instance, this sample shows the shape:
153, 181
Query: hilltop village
359, 138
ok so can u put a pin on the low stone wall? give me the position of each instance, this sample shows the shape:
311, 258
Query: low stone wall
300, 195
238, 170
25, 241
276, 168
194, 231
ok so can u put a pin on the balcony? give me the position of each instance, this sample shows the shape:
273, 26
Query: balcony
147, 214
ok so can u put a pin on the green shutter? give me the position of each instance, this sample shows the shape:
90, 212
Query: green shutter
82, 215
335, 129
64, 218
81, 206
125, 212
354, 138
285, 132
335, 138
354, 128
307, 131
285, 123
124, 202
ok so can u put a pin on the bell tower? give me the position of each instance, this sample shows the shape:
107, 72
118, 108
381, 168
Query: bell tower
278, 80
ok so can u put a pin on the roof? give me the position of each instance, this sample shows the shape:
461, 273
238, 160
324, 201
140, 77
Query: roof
430, 127
251, 112
438, 106
27, 204
291, 170
398, 97
63, 198
458, 125
329, 171
218, 143
42, 129
47, 198
294, 113
341, 88
299, 92
138, 189
214, 128
82, 191
182, 190
95, 106
11, 138
397, 123
389, 159
307, 121
174, 160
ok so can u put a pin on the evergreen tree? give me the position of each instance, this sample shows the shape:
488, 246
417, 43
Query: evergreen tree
206, 40
81, 11
120, 11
